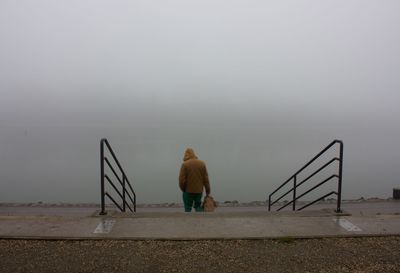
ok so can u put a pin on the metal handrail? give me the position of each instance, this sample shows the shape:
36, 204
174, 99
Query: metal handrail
122, 181
295, 185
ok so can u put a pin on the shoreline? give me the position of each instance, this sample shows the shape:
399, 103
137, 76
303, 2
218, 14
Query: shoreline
180, 205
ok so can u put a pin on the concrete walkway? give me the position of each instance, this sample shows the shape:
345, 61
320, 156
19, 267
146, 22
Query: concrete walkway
380, 218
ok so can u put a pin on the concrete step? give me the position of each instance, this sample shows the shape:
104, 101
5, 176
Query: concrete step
195, 226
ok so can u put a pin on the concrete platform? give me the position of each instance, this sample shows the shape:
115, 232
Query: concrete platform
369, 219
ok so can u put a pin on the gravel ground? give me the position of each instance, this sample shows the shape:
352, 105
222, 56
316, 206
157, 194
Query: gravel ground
374, 254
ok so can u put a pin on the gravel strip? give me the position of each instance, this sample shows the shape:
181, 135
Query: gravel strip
372, 254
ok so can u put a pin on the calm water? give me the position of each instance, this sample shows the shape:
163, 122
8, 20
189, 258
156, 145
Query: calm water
53, 163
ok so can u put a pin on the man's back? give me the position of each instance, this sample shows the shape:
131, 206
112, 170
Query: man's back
193, 175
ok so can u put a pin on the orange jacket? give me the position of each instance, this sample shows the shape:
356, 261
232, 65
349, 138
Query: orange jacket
193, 175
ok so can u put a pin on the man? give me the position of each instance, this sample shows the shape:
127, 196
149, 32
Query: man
192, 178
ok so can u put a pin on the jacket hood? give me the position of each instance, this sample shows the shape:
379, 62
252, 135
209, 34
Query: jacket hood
189, 154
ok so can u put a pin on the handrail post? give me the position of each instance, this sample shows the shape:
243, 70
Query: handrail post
339, 199
123, 193
269, 203
102, 212
294, 193
134, 205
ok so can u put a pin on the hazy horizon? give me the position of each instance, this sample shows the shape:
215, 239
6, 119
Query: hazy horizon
257, 88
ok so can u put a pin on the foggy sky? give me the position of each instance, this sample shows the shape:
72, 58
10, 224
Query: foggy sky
255, 87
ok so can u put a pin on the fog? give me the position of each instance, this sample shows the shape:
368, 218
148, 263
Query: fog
256, 88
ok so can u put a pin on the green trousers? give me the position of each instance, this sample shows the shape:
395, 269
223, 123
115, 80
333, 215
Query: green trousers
192, 200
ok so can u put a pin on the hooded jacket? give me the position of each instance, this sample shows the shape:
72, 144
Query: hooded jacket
193, 175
